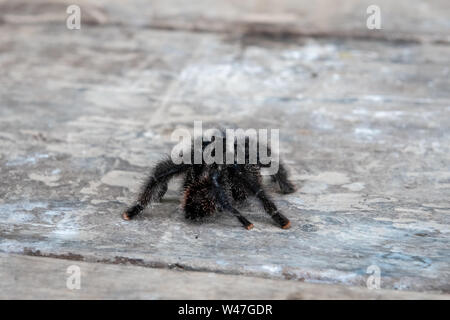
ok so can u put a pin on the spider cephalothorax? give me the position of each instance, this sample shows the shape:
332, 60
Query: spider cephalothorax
208, 187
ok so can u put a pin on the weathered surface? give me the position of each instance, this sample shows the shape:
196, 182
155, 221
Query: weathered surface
403, 20
46, 278
364, 129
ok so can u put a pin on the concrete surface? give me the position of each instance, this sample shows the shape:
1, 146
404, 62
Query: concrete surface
403, 21
37, 278
364, 129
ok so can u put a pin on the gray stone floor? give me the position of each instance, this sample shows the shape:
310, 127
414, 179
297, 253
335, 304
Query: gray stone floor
364, 125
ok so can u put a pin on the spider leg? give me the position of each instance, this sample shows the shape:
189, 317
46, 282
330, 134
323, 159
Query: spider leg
257, 189
272, 210
224, 202
281, 177
156, 186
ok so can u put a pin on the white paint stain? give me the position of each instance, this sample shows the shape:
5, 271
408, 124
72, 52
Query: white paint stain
374, 98
271, 268
19, 161
349, 202
91, 189
391, 114
367, 132
310, 52
313, 187
49, 180
355, 186
8, 208
126, 179
328, 177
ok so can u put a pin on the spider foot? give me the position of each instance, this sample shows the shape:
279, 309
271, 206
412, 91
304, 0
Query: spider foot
281, 220
131, 212
125, 216
247, 224
287, 225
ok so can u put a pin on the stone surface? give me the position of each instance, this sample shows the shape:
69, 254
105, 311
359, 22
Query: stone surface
364, 128
47, 278
403, 20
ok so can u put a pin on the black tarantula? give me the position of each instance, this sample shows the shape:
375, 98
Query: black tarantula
208, 187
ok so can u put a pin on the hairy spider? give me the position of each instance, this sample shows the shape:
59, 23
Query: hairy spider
208, 187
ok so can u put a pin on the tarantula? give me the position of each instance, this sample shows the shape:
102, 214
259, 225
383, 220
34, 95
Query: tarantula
209, 187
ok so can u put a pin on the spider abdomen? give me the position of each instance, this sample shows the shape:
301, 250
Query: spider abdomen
198, 201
